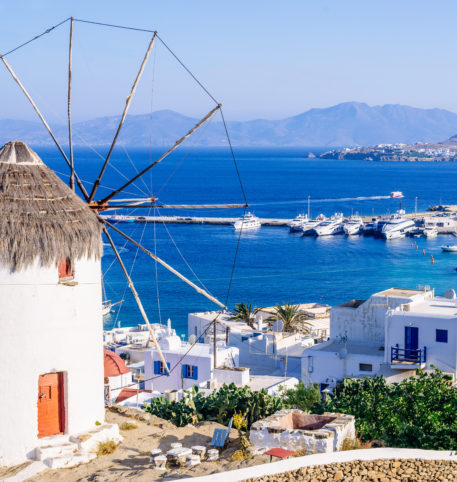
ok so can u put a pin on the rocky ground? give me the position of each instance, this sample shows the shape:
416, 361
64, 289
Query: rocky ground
372, 470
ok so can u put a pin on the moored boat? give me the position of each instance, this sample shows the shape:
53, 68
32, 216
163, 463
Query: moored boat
296, 225
353, 226
248, 221
329, 227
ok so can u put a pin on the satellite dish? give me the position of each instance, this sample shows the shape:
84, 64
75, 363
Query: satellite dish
192, 339
450, 294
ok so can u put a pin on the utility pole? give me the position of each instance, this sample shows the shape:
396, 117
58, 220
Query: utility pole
215, 344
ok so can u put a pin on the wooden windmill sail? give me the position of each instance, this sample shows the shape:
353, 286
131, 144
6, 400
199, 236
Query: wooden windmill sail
112, 201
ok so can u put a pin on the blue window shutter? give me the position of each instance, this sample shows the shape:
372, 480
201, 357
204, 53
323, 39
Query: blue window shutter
156, 367
195, 377
184, 371
168, 365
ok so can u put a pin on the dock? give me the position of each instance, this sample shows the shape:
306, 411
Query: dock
207, 220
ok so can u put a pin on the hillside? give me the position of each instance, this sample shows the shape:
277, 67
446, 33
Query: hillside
346, 124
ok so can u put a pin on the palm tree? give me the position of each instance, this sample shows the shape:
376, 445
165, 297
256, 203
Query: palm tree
244, 312
292, 319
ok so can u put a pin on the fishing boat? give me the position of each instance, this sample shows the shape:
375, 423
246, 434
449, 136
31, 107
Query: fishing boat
449, 248
396, 194
353, 226
247, 222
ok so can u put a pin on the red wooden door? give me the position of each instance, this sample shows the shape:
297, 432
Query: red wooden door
50, 404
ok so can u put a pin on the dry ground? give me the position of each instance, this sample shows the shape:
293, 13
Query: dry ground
131, 458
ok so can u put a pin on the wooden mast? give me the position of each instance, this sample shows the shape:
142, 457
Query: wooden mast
70, 139
46, 125
138, 301
124, 114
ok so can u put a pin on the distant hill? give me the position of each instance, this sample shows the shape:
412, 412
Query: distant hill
346, 124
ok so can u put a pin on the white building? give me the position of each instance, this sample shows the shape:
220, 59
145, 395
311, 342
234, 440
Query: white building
50, 296
264, 352
364, 333
117, 375
189, 365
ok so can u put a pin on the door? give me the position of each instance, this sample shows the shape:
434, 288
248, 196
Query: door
411, 342
50, 404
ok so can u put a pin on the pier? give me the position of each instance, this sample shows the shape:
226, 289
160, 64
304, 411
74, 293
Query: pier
207, 220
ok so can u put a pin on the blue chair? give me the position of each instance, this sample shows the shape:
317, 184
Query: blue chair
221, 435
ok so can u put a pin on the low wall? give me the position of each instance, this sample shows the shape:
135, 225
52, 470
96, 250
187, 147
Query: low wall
296, 430
324, 459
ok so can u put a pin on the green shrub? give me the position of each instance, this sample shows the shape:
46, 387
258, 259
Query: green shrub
303, 397
219, 406
418, 412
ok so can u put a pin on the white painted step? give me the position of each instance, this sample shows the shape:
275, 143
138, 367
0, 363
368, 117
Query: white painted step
51, 451
70, 460
88, 441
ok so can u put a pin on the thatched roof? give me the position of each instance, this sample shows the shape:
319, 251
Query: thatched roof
40, 217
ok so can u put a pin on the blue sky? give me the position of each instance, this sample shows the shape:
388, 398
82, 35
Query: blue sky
261, 59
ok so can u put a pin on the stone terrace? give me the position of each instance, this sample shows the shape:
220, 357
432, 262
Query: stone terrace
381, 470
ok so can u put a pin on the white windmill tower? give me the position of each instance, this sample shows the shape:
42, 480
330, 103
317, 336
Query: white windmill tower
50, 296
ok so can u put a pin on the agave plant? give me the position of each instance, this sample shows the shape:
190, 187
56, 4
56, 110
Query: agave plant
244, 312
292, 319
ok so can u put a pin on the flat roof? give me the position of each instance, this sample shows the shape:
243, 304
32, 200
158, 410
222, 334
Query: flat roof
434, 306
337, 347
400, 292
257, 382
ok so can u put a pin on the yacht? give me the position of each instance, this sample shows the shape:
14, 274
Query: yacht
296, 225
396, 194
309, 225
331, 226
397, 227
118, 218
354, 225
248, 221
430, 232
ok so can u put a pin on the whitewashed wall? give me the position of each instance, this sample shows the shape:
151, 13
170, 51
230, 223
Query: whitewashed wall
46, 327
441, 355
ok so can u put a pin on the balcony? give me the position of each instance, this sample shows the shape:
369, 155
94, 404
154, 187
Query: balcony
408, 358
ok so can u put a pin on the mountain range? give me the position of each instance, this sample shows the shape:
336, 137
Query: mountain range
346, 124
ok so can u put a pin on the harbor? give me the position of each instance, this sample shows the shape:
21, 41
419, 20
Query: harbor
445, 220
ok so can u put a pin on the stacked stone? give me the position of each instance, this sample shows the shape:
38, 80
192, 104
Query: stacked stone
404, 470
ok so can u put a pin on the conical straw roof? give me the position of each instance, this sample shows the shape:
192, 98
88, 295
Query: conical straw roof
40, 217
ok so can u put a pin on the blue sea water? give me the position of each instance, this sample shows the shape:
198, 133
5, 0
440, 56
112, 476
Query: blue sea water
273, 266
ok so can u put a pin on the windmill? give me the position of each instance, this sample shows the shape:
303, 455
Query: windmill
112, 201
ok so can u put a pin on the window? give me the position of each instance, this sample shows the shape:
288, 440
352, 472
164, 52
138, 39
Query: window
365, 367
441, 336
65, 269
159, 368
190, 371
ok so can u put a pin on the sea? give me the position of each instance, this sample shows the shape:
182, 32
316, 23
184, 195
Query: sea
269, 265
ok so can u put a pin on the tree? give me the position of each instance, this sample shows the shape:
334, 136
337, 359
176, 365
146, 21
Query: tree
292, 319
244, 312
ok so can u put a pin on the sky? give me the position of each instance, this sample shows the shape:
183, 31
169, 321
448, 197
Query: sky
259, 58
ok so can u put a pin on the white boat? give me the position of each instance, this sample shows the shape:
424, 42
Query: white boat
430, 232
296, 225
396, 194
308, 227
449, 248
354, 225
397, 227
106, 308
331, 226
248, 221
118, 218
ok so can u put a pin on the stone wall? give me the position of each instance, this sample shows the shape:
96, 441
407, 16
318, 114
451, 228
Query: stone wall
296, 430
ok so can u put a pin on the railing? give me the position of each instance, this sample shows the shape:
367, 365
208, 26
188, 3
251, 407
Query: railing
408, 355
